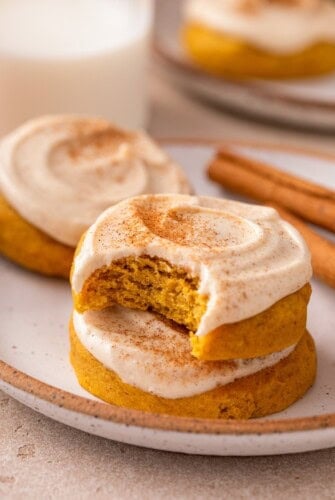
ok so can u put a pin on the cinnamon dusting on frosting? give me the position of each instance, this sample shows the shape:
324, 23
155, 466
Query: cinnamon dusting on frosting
245, 256
61, 172
154, 356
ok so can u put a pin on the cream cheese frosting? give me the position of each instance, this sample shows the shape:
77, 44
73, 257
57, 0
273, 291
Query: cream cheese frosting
60, 172
245, 256
149, 354
278, 26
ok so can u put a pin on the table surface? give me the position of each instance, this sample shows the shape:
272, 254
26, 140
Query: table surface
40, 458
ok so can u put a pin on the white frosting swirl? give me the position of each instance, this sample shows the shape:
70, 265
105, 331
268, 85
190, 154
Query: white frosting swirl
149, 354
280, 27
246, 257
61, 172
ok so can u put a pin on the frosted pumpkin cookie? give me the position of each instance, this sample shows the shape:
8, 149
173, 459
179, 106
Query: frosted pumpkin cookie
235, 276
58, 173
261, 38
133, 359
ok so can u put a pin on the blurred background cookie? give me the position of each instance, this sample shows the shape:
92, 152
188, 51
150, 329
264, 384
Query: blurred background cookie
261, 38
229, 283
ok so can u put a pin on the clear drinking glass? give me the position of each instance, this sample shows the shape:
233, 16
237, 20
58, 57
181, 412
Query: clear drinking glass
74, 56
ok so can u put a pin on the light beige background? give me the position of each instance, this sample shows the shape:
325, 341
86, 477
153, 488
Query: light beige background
41, 459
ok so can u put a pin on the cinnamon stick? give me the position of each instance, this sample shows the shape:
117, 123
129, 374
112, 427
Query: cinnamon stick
322, 250
257, 180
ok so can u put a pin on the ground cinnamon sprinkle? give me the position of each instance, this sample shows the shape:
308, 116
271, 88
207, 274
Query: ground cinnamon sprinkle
155, 335
96, 138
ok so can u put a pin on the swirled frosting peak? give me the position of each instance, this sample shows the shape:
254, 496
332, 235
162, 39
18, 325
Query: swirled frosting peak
245, 256
61, 172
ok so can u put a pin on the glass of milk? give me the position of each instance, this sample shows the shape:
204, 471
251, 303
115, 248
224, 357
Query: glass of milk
74, 56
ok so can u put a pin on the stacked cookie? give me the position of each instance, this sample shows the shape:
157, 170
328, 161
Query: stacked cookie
192, 306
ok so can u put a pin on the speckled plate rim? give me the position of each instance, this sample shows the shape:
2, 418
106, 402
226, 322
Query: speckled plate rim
81, 405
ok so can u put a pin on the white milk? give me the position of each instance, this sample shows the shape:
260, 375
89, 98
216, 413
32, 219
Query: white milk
73, 56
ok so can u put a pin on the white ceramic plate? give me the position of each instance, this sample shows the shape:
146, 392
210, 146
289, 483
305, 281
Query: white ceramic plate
306, 102
34, 313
